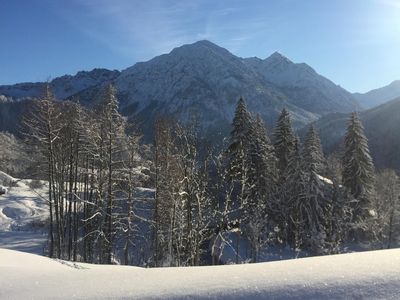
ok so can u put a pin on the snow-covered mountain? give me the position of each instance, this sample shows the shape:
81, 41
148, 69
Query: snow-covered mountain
204, 81
63, 87
379, 96
302, 85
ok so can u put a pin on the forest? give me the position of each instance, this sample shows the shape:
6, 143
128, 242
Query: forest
181, 201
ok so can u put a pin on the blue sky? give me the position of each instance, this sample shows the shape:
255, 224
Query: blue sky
355, 43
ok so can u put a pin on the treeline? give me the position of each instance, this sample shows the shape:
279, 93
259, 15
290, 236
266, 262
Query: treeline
251, 196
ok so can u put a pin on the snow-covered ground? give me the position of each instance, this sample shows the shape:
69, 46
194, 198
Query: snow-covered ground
371, 275
23, 210
366, 275
22, 206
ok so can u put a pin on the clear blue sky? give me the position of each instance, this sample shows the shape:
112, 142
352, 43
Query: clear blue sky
355, 43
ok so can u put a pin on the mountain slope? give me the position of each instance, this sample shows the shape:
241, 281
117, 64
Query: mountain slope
380, 95
62, 87
303, 86
204, 81
381, 127
366, 275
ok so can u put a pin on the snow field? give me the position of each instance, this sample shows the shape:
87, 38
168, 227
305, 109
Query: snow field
366, 275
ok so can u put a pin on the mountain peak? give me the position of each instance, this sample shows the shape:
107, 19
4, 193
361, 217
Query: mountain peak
205, 43
395, 83
278, 57
201, 46
203, 50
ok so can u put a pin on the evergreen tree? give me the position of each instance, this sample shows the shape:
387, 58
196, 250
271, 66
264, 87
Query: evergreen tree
316, 203
314, 212
337, 216
284, 141
312, 153
293, 193
239, 140
358, 168
238, 167
261, 188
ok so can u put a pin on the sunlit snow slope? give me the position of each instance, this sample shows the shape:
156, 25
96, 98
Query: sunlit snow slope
367, 275
23, 210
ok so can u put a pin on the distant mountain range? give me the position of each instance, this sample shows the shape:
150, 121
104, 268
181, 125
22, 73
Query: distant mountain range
381, 125
379, 96
200, 80
204, 81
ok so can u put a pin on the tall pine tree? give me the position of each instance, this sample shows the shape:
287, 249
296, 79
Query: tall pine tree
238, 166
358, 168
239, 140
312, 152
261, 188
293, 195
284, 141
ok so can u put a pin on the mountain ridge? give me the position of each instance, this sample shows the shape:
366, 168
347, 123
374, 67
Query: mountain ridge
380, 95
205, 80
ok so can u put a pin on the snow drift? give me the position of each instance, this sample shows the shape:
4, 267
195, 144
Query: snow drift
371, 275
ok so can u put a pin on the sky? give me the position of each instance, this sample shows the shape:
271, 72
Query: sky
354, 43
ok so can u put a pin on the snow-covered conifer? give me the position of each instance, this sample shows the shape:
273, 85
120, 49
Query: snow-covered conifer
284, 141
239, 140
358, 168
260, 189
312, 152
293, 194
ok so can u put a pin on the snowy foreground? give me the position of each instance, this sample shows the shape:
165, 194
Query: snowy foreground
366, 275
23, 210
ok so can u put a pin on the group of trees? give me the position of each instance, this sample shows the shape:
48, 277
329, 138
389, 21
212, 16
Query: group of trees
282, 185
253, 193
290, 194
92, 168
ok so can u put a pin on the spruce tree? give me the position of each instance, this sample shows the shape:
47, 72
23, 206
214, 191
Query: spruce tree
358, 168
239, 140
293, 195
284, 141
316, 203
314, 212
261, 160
261, 187
312, 152
238, 165
337, 216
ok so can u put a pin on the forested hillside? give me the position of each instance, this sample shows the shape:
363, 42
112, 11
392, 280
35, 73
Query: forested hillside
263, 191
